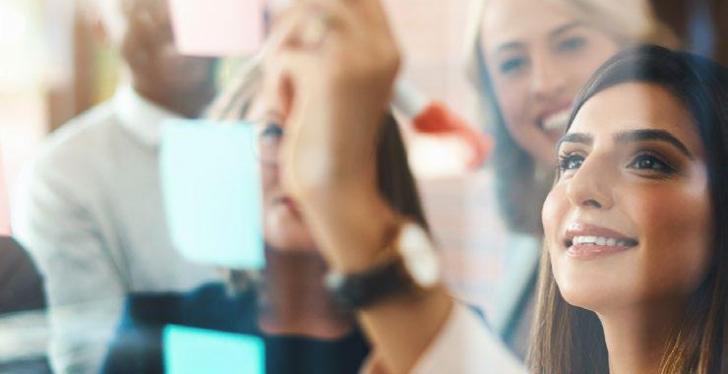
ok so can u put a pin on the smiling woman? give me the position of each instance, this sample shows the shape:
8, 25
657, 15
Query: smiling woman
634, 278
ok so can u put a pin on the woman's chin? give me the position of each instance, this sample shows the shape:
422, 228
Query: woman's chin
594, 296
291, 246
283, 232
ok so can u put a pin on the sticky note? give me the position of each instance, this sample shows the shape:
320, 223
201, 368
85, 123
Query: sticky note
211, 190
217, 27
192, 351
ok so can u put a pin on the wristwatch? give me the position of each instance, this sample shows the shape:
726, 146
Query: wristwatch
413, 268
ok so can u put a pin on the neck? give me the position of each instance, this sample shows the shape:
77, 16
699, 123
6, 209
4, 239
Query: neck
637, 340
187, 104
294, 300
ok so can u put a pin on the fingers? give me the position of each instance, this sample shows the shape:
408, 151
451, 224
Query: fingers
309, 23
341, 13
285, 75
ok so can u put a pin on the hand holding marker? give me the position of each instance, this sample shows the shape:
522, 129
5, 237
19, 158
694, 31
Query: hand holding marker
426, 116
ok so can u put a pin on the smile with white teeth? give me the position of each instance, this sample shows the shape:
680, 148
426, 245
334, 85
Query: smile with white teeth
557, 121
602, 241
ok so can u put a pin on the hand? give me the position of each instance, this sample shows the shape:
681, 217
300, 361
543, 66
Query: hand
333, 91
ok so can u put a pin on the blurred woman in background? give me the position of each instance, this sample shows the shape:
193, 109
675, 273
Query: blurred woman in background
304, 329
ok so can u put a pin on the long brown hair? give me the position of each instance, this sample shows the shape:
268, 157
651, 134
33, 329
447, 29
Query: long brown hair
394, 177
569, 339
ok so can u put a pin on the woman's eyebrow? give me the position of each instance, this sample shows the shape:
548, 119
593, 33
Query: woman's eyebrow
509, 46
564, 28
273, 114
653, 135
576, 137
267, 115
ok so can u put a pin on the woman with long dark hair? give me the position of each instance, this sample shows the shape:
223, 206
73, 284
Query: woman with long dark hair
656, 301
304, 330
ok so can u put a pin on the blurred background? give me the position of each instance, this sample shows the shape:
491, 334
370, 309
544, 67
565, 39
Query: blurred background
54, 67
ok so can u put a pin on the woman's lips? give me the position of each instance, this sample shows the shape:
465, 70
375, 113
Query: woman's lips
289, 203
584, 241
555, 122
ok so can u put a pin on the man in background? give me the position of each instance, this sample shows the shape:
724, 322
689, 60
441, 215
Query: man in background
90, 208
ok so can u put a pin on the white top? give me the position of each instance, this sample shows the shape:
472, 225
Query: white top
89, 211
466, 345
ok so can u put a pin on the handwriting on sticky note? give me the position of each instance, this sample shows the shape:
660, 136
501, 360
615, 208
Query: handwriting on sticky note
217, 27
191, 351
211, 189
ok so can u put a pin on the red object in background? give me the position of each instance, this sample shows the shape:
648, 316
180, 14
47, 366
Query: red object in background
435, 118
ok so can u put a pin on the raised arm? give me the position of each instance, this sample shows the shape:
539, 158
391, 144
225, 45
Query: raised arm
333, 65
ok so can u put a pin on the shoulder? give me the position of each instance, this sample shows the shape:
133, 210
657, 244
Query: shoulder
465, 344
77, 156
81, 139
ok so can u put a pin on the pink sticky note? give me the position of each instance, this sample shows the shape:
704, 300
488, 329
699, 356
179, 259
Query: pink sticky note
217, 27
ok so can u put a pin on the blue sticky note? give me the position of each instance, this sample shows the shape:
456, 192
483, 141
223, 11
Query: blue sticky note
192, 351
211, 188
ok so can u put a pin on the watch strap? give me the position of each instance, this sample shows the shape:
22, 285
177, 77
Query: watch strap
367, 288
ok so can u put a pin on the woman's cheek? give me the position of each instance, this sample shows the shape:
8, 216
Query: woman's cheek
676, 235
511, 98
553, 214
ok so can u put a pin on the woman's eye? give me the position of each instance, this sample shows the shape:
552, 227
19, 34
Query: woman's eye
272, 131
570, 162
512, 65
651, 163
572, 44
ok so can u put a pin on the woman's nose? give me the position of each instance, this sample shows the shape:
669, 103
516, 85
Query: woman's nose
548, 80
591, 186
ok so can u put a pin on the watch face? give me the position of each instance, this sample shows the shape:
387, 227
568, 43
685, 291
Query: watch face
419, 255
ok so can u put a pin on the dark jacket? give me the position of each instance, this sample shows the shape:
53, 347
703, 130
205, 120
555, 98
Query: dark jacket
138, 348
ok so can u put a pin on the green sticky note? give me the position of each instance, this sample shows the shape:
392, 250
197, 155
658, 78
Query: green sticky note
211, 188
190, 350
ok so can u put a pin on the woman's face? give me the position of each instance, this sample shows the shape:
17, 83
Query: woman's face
283, 225
539, 55
628, 222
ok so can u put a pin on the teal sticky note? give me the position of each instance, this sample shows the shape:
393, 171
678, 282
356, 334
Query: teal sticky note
211, 189
193, 351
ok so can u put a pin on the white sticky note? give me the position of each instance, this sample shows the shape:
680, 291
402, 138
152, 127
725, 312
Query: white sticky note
217, 27
211, 187
192, 351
